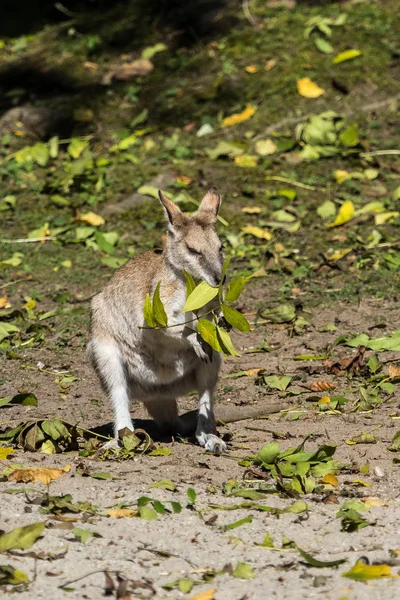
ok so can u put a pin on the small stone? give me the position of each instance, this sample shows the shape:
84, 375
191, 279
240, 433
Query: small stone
379, 472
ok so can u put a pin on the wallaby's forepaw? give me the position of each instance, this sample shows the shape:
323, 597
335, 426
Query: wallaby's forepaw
211, 442
111, 445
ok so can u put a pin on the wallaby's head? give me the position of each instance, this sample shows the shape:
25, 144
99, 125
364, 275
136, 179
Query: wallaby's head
193, 244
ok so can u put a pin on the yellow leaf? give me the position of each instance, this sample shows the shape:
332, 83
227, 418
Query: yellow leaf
393, 371
207, 595
339, 254
120, 513
330, 479
373, 502
363, 572
309, 89
91, 219
246, 160
346, 55
3, 301
251, 69
5, 452
324, 400
42, 474
263, 234
252, 372
346, 212
67, 264
361, 483
239, 117
265, 147
341, 175
251, 210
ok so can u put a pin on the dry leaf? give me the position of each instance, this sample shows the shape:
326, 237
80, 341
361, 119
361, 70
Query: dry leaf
251, 210
373, 502
91, 219
120, 513
330, 479
207, 595
339, 254
393, 371
251, 69
263, 234
42, 474
239, 117
363, 572
184, 179
321, 386
309, 89
270, 64
3, 301
126, 71
265, 147
252, 372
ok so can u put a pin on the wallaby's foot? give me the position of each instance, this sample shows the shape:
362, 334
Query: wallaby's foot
110, 445
211, 442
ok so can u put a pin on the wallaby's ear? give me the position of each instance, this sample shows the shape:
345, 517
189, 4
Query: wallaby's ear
173, 212
209, 206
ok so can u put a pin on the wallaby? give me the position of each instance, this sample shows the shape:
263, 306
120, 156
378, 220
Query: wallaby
155, 366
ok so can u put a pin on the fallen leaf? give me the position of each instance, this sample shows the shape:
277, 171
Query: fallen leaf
270, 64
363, 572
243, 571
346, 55
251, 69
21, 538
393, 371
309, 89
5, 452
126, 71
265, 147
330, 479
207, 595
239, 117
11, 576
91, 219
321, 386
42, 474
3, 301
345, 214
263, 234
246, 160
120, 513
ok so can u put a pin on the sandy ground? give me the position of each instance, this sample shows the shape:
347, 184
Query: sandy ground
149, 554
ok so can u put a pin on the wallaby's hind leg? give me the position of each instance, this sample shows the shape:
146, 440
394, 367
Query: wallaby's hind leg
109, 366
207, 376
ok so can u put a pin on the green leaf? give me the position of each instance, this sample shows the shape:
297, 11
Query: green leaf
349, 137
238, 523
24, 399
285, 313
268, 453
327, 210
101, 475
76, 147
190, 283
82, 534
267, 542
201, 295
21, 538
296, 508
226, 342
319, 563
148, 312
56, 429
150, 51
235, 318
395, 445
11, 576
360, 340
243, 571
363, 572
323, 45
235, 288
208, 332
364, 438
40, 154
53, 146
346, 55
278, 383
185, 585
158, 307
14, 261
164, 484
161, 451
191, 495
7, 329
147, 513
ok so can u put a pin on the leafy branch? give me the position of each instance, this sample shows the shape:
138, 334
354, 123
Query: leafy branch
212, 329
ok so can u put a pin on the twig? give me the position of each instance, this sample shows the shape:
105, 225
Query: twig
248, 15
63, 585
28, 240
12, 282
380, 153
296, 183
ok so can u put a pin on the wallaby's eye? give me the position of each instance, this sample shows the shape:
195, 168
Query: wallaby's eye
193, 251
